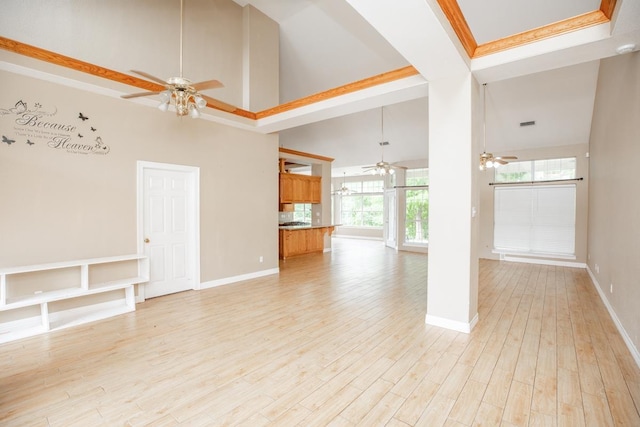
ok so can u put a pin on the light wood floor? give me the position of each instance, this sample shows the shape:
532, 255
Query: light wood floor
336, 339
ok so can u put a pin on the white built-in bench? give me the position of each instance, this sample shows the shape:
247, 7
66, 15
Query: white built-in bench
45, 297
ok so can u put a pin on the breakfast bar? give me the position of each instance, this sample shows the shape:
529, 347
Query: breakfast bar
302, 239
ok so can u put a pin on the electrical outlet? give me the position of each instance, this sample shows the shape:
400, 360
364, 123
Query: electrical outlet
597, 268
261, 259
611, 288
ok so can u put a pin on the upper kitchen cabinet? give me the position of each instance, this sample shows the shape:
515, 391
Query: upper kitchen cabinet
296, 188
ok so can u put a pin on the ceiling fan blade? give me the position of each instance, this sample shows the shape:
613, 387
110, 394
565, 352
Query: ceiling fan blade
507, 157
138, 95
219, 104
209, 84
150, 77
499, 160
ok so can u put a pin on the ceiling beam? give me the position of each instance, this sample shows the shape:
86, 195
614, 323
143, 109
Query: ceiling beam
379, 79
576, 23
454, 15
607, 7
92, 69
75, 64
458, 23
96, 70
415, 30
303, 154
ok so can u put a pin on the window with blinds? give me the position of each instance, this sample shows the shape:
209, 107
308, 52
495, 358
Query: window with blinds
535, 219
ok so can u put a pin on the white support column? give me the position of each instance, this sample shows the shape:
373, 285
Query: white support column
452, 292
322, 212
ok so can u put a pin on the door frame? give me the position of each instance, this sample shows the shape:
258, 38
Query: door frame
390, 193
193, 214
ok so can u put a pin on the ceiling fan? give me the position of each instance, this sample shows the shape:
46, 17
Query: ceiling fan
344, 190
181, 91
382, 168
488, 160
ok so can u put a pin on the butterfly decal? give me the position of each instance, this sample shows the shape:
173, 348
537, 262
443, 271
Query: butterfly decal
19, 108
7, 140
80, 136
83, 117
100, 146
93, 129
29, 142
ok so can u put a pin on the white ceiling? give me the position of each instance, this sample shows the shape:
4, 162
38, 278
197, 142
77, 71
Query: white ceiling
495, 19
326, 43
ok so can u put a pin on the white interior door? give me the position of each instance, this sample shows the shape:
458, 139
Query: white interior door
390, 219
168, 204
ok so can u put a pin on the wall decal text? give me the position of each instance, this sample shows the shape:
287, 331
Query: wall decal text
33, 124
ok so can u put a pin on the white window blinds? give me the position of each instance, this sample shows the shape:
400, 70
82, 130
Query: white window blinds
535, 219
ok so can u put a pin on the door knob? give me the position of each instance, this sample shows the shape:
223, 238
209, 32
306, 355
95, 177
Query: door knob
146, 240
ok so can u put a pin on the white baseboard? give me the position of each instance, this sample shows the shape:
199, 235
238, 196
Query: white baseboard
627, 340
240, 278
544, 261
451, 324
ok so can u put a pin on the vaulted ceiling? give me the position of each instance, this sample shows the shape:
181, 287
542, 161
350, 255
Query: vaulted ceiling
540, 60
341, 60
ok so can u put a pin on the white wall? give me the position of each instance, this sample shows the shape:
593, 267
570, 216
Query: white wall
61, 206
261, 62
58, 205
614, 205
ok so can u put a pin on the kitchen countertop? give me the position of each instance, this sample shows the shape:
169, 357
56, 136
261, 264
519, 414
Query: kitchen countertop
305, 227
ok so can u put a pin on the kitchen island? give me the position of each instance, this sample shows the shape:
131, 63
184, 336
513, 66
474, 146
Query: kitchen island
302, 239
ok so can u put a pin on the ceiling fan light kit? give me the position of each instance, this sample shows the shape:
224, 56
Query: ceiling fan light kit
382, 169
180, 91
344, 190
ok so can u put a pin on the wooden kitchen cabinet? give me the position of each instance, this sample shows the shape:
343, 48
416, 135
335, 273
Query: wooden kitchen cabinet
302, 241
315, 190
296, 188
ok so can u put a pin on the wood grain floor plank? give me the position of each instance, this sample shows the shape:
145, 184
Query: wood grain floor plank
518, 408
413, 406
437, 411
498, 388
383, 411
487, 415
467, 404
596, 410
361, 406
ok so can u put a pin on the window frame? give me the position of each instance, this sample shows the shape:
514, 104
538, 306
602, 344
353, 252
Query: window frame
358, 185
533, 171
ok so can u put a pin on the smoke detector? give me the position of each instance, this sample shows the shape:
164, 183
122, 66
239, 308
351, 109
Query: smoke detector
625, 48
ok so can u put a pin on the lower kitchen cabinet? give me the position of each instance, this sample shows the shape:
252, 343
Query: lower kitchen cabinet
302, 241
